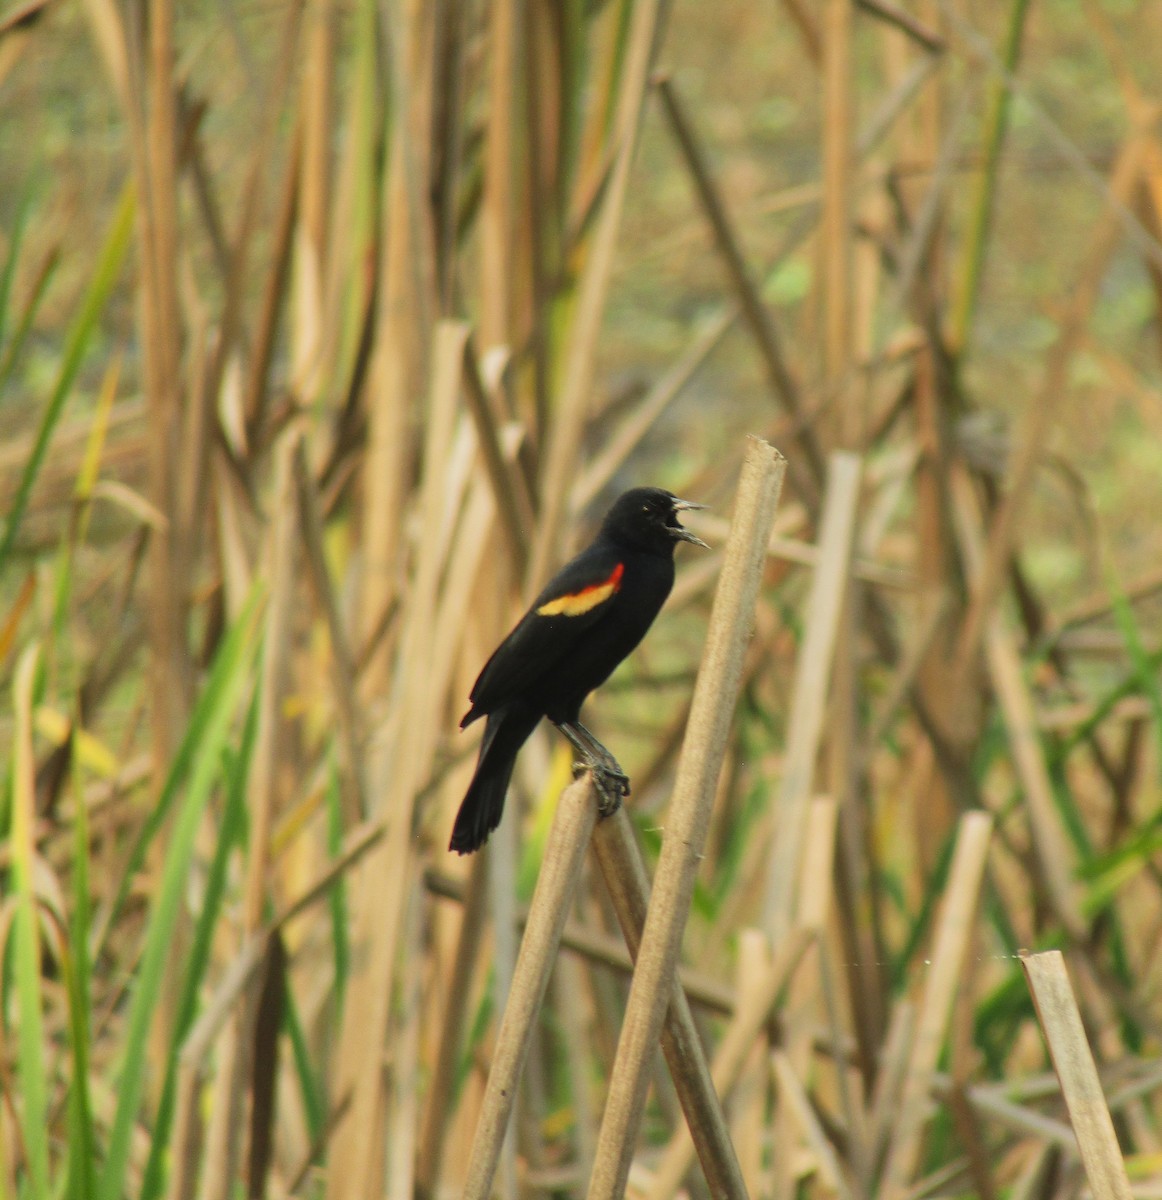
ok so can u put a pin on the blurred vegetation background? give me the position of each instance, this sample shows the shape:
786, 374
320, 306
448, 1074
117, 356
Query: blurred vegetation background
327, 330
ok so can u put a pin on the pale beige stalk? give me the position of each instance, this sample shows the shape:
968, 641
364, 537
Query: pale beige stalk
688, 816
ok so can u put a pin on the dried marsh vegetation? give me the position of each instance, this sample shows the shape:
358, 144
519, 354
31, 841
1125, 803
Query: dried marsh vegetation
312, 351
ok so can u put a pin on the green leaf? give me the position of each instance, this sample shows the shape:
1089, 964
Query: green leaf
201, 751
236, 768
77, 342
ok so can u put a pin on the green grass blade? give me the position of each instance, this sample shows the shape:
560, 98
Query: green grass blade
212, 721
230, 834
208, 703
920, 926
87, 475
1144, 663
980, 221
77, 342
33, 1087
314, 1099
11, 354
1107, 703
338, 897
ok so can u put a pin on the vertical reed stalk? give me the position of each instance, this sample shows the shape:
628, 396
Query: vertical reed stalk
1073, 1061
579, 364
836, 531
556, 884
688, 819
616, 849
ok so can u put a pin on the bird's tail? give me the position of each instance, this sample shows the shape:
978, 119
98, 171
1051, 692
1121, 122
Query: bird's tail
506, 732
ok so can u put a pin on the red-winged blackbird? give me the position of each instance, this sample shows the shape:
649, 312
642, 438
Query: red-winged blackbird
593, 612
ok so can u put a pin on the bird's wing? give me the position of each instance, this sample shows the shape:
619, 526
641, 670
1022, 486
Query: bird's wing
574, 600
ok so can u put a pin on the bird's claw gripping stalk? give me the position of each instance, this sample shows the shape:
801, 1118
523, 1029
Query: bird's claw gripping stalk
611, 781
612, 787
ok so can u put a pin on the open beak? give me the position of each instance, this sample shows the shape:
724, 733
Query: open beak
684, 535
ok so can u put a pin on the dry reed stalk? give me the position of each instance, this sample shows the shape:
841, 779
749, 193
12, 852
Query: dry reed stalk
889, 1084
1041, 410
836, 534
848, 422
512, 499
922, 34
992, 1103
187, 1135
545, 65
402, 1128
398, 767
688, 817
701, 988
1039, 1176
502, 854
952, 939
941, 689
447, 126
556, 884
813, 903
315, 104
623, 440
933, 611
240, 975
152, 121
576, 1018
854, 888
109, 33
1055, 854
964, 1063
806, 471
201, 403
400, 348
392, 377
233, 519
794, 1095
342, 663
228, 1116
274, 296
497, 224
155, 144
849, 425
730, 1056
835, 222
475, 541
1061, 1024
850, 1077
805, 554
749, 1105
624, 872
560, 454
919, 257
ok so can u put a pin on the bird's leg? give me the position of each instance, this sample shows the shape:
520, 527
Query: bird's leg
612, 766
612, 782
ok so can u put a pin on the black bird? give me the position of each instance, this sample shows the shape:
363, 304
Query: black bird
593, 612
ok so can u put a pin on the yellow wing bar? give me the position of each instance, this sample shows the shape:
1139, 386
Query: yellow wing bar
573, 604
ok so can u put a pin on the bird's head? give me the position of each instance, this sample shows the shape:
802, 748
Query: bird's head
648, 517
